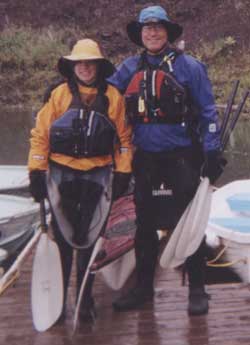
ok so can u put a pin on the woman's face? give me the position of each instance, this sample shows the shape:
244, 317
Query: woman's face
86, 71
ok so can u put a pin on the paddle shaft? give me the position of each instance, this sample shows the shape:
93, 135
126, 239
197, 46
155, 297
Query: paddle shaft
234, 120
95, 251
229, 108
44, 225
13, 270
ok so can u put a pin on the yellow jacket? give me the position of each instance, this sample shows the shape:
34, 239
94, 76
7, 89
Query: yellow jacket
57, 105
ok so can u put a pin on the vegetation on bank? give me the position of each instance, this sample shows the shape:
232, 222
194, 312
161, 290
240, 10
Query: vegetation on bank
28, 60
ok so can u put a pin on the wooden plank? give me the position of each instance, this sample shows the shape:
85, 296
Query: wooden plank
164, 321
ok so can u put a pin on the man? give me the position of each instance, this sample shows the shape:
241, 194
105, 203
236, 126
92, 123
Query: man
176, 136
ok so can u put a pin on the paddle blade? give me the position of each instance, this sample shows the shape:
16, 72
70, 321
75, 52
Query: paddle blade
169, 251
117, 272
46, 284
190, 230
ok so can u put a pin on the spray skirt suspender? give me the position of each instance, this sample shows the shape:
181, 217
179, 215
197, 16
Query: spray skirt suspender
154, 95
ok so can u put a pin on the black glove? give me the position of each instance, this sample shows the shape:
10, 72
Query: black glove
213, 166
37, 187
120, 184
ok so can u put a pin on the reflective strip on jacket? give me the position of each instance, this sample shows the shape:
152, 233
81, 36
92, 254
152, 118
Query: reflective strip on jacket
57, 105
192, 74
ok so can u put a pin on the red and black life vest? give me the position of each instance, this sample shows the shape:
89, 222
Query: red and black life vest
154, 95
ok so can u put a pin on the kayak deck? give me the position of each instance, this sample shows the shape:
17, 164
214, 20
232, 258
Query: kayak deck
13, 178
165, 321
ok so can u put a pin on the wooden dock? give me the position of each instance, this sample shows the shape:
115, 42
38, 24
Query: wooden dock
165, 321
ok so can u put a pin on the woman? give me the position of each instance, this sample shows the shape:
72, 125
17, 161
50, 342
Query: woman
80, 157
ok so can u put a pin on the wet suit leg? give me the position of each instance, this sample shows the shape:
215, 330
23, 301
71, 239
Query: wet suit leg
187, 181
69, 202
146, 239
195, 266
89, 196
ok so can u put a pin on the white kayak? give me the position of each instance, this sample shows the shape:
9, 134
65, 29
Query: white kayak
13, 177
229, 225
18, 217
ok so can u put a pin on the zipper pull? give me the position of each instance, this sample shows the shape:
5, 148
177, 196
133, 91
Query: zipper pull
169, 62
81, 114
141, 105
170, 66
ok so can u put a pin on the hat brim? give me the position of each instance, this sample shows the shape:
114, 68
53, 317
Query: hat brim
134, 29
65, 66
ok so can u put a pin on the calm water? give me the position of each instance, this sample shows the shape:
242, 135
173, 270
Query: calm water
238, 154
15, 132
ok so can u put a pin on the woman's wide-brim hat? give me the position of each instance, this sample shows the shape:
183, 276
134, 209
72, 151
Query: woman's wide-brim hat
85, 50
153, 14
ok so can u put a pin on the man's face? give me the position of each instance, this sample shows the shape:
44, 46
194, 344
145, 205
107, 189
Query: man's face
154, 36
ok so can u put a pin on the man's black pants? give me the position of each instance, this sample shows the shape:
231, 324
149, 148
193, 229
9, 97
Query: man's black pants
165, 183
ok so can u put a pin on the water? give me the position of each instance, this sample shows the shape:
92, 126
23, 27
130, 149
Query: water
14, 133
238, 154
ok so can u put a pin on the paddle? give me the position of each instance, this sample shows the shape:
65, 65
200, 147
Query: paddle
116, 273
13, 272
96, 249
47, 280
228, 109
190, 229
227, 133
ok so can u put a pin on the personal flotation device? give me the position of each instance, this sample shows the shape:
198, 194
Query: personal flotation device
154, 95
84, 131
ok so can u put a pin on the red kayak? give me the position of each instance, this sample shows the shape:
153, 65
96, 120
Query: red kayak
119, 234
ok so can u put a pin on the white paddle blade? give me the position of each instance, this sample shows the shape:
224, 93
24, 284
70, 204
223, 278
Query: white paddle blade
169, 250
117, 272
46, 284
96, 249
190, 230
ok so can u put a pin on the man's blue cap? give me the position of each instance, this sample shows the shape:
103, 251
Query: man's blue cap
153, 14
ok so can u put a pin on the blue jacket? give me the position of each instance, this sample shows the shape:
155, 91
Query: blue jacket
164, 137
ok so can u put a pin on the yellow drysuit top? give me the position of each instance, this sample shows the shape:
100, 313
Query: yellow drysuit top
57, 105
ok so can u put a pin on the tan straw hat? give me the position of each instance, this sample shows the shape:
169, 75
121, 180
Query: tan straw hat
83, 50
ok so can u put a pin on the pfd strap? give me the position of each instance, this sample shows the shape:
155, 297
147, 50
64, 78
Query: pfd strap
154, 83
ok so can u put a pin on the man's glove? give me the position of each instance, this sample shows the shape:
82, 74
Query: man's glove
213, 166
37, 187
120, 184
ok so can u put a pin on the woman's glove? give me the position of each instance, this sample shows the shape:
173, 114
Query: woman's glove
120, 184
213, 166
37, 187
